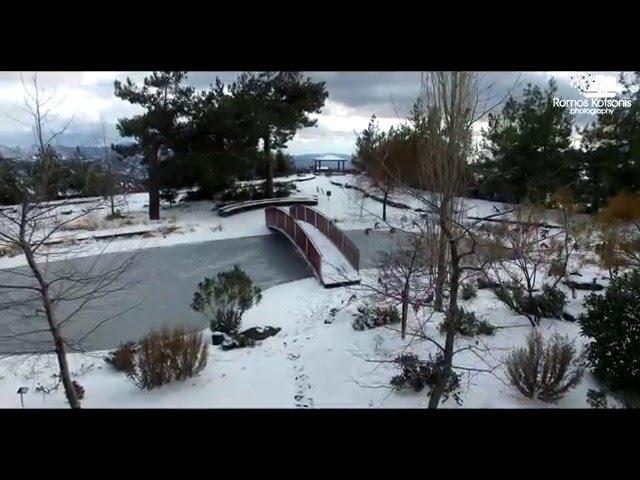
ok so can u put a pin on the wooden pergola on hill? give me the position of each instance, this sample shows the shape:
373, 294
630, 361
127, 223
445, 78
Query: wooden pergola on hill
336, 164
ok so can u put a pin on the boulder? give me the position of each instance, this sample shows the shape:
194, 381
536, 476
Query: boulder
568, 317
249, 337
238, 342
260, 333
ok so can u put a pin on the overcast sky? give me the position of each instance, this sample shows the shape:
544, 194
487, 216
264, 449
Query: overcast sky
88, 98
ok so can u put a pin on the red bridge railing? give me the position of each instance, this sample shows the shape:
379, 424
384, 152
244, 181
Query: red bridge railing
330, 230
281, 220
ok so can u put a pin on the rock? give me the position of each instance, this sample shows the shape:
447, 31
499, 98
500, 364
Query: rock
568, 317
248, 338
230, 344
590, 286
217, 338
260, 333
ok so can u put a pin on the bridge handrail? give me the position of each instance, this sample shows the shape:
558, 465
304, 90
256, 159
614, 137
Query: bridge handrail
280, 219
331, 230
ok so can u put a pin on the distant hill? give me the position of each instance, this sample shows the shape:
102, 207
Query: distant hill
305, 161
65, 152
302, 162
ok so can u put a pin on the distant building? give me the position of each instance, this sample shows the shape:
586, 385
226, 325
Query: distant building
329, 163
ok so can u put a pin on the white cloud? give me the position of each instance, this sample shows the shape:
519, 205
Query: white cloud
354, 97
90, 79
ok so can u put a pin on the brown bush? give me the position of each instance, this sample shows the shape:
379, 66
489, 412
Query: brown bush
122, 358
83, 223
9, 250
624, 207
544, 371
167, 355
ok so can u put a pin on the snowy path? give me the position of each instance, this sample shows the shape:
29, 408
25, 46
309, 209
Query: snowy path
335, 266
302, 333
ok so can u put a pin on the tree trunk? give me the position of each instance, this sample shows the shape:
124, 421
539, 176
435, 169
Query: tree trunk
442, 259
405, 308
452, 312
384, 206
65, 373
269, 167
58, 341
154, 186
112, 188
441, 272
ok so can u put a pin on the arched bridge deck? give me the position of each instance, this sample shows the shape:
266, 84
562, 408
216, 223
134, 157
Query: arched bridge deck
333, 257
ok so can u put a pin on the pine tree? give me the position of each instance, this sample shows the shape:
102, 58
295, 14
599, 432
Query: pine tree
9, 183
611, 162
275, 105
166, 102
527, 147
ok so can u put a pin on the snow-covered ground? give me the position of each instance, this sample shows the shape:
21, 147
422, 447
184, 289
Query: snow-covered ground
192, 222
316, 360
310, 362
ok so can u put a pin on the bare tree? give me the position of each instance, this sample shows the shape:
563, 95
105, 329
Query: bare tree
403, 277
451, 103
40, 107
517, 274
115, 193
47, 298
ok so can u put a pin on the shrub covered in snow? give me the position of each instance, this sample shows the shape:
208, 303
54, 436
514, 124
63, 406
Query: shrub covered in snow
612, 322
168, 355
283, 189
417, 374
544, 371
169, 195
468, 291
225, 299
256, 192
469, 325
371, 316
597, 399
551, 302
548, 304
241, 194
